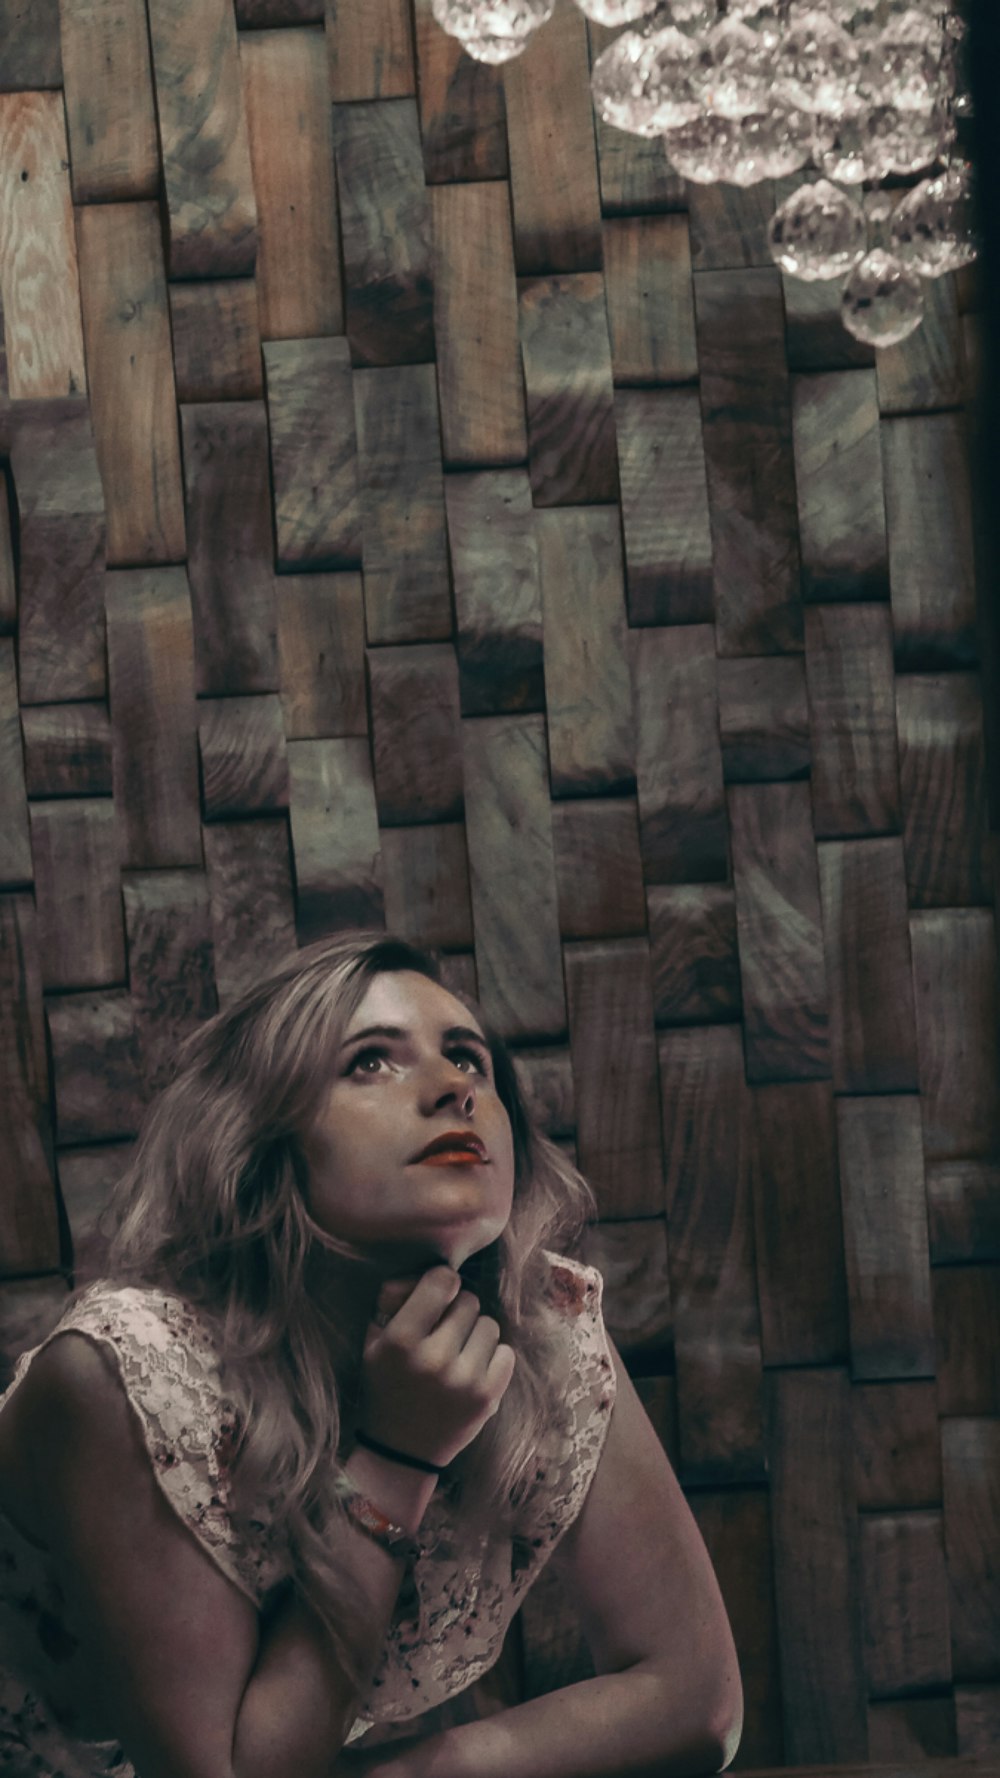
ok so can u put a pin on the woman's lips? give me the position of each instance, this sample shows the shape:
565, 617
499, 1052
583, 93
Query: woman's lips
458, 1157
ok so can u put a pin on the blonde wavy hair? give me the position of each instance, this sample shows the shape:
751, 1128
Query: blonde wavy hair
213, 1206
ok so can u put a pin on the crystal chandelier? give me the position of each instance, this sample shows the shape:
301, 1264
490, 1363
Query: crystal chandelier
860, 93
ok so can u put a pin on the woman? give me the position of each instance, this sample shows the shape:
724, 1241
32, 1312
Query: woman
272, 1492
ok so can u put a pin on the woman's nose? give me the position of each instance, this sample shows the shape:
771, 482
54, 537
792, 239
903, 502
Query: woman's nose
450, 1086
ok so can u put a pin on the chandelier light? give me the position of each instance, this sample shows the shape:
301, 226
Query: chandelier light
859, 93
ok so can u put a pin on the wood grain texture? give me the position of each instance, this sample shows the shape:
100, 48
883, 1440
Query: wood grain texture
476, 326
866, 939
415, 734
371, 50
216, 340
498, 618
885, 1236
801, 1279
228, 506
971, 1460
816, 338
132, 398
905, 1591
855, 766
426, 872
402, 505
678, 760
29, 1230
963, 1211
321, 652
588, 694
81, 935
251, 898
553, 159
8, 583
39, 281
929, 519
170, 965
635, 175
386, 233
692, 941
664, 501
99, 1096
763, 719
599, 868
572, 453
314, 454
335, 841
838, 479
955, 990
244, 762
211, 208
729, 225
924, 372
735, 1526
462, 123
615, 1078
631, 1257
29, 1310
29, 31
289, 128
545, 1073
86, 1179
270, 14
710, 1221
912, 1728
943, 789
15, 837
67, 752
897, 1445
647, 271
110, 113
780, 933
967, 1329
977, 1719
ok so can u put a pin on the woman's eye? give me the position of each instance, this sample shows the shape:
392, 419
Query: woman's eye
470, 1055
368, 1055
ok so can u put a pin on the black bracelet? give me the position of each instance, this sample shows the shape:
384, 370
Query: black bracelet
372, 1444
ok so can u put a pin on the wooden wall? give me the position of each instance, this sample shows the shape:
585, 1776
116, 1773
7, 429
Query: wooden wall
424, 508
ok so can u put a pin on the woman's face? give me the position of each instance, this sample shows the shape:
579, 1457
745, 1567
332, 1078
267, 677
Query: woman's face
413, 1066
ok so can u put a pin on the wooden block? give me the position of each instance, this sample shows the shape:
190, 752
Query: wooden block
588, 694
371, 53
127, 328
657, 1394
153, 718
244, 762
269, 14
735, 1527
954, 979
647, 270
170, 964
912, 1728
462, 121
977, 1716
746, 408
885, 1236
99, 1096
925, 370
290, 132
635, 174
228, 493
545, 1075
963, 1211
110, 115
87, 1177
314, 454
967, 1324
763, 719
8, 584
664, 500
15, 837
498, 618
211, 209
780, 933
402, 505
572, 455
971, 1456
816, 338
692, 937
458, 973
77, 890
29, 1310
905, 1587
553, 160
30, 37
599, 868
67, 752
335, 839
216, 336
943, 788
39, 284
415, 733
801, 1280
838, 479
632, 1259
866, 938
710, 1233
475, 325
678, 759
426, 871
29, 1229
321, 651
897, 1445
252, 899
929, 517
613, 1045
855, 769
386, 229
816, 1566
729, 225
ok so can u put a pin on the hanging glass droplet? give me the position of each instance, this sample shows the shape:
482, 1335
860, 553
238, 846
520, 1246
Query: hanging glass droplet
815, 68
882, 300
818, 232
641, 82
705, 149
480, 20
617, 12
732, 74
932, 228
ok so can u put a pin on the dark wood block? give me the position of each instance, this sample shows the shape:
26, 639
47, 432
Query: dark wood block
211, 208
546, 1077
29, 1230
599, 868
925, 371
371, 53
636, 177
230, 547
335, 838
963, 1211
746, 410
967, 1326
216, 338
553, 158
729, 225
87, 1177
29, 1310
498, 617
314, 454
512, 866
763, 719
170, 964
588, 693
815, 336
244, 762
838, 478
402, 504
67, 752
905, 1582
855, 769
15, 837
735, 1526
81, 934
658, 1397
39, 277
780, 933
682, 811
321, 651
8, 583
647, 270
252, 899
816, 1566
929, 518
153, 717
799, 1240
426, 871
110, 114
476, 326
885, 1236
955, 989
268, 14
572, 451
710, 1234
977, 1717
664, 499
415, 734
99, 1094
29, 31
458, 973
866, 938
386, 230
290, 131
632, 1259
613, 1044
971, 1456
462, 120
132, 401
912, 1728
897, 1445
692, 940
943, 788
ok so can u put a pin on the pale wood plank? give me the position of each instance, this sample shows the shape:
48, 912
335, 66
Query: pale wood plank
39, 282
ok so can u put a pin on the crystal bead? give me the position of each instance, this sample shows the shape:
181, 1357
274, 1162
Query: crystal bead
917, 139
641, 83
932, 229
818, 232
882, 300
816, 65
733, 74
478, 20
496, 49
617, 12
705, 150
903, 72
693, 15
741, 152
851, 149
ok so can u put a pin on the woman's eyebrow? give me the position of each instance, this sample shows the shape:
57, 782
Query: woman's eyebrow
399, 1031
